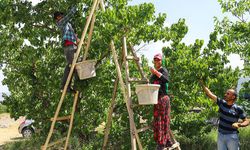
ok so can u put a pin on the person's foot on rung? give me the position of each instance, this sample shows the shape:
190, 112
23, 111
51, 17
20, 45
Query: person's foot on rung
69, 90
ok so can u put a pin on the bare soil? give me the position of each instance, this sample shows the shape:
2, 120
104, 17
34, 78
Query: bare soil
9, 128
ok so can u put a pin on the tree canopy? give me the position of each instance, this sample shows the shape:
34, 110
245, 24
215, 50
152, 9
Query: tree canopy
32, 61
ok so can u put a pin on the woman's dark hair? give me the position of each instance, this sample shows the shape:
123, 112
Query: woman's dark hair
57, 13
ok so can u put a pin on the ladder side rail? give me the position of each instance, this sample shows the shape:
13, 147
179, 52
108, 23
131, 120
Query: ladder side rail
71, 119
102, 5
111, 108
123, 88
125, 52
109, 119
90, 33
89, 38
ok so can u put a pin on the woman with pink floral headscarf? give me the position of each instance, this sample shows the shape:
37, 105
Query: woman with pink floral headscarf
161, 124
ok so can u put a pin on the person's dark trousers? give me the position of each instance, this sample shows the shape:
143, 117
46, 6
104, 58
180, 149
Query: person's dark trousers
69, 52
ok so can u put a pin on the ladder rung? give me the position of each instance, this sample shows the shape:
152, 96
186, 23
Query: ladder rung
143, 129
54, 143
135, 105
61, 118
132, 58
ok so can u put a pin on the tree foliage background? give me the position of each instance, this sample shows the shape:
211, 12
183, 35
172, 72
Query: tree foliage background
32, 62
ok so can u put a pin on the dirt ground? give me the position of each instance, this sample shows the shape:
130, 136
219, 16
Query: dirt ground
9, 128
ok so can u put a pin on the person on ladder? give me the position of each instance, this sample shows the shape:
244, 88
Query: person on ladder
161, 123
69, 43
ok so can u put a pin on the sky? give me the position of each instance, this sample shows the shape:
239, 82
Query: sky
199, 16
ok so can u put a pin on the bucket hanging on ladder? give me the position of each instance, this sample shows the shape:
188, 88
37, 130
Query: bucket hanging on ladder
147, 93
86, 69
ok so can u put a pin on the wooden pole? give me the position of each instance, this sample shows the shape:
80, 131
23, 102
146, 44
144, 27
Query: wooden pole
102, 5
134, 131
109, 119
111, 108
123, 88
124, 47
90, 35
71, 119
70, 75
108, 125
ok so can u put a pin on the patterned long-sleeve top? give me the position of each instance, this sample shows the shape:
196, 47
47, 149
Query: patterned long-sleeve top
66, 28
162, 81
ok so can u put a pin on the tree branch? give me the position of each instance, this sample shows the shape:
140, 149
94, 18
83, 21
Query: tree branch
103, 56
44, 26
240, 18
141, 47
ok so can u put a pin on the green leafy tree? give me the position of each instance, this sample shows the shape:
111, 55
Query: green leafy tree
187, 65
234, 34
32, 61
244, 97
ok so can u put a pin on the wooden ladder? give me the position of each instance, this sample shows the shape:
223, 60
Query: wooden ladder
90, 22
126, 89
71, 118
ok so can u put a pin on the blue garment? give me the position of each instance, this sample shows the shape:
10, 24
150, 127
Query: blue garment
66, 28
228, 141
229, 114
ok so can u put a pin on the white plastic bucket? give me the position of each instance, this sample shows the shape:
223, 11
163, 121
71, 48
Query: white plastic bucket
147, 93
86, 69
